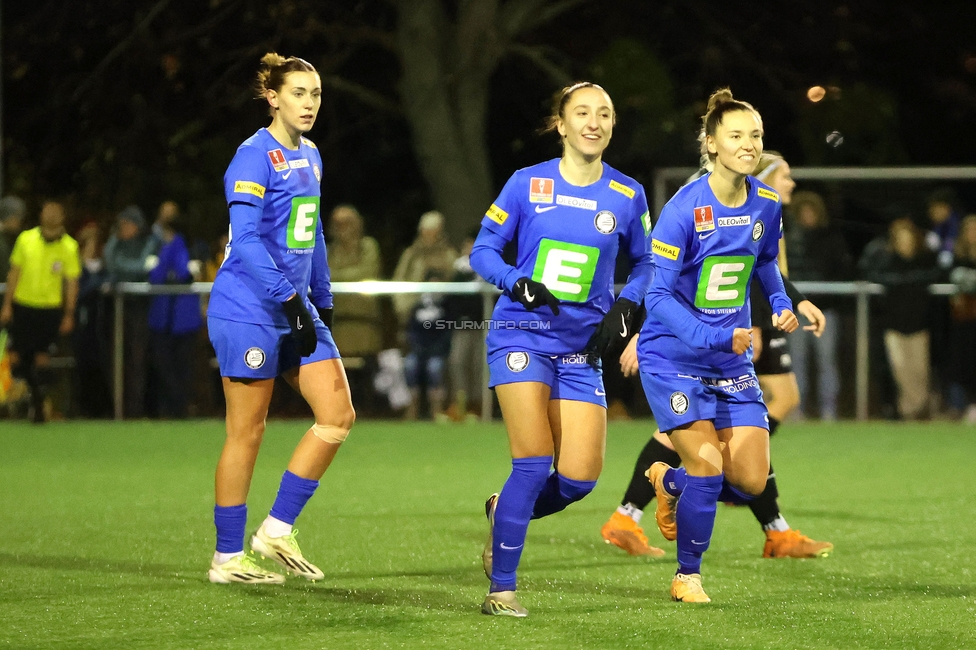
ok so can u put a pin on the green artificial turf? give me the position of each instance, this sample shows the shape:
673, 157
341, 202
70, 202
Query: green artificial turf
107, 535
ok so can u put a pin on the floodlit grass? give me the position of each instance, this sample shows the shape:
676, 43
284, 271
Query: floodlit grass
107, 535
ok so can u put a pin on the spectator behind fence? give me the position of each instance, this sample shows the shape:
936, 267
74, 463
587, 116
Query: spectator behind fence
429, 344
90, 340
12, 211
430, 251
174, 320
817, 252
905, 267
126, 254
357, 328
944, 217
467, 345
42, 289
962, 327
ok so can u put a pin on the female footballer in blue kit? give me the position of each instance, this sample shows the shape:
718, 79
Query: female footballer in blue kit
693, 350
568, 217
262, 324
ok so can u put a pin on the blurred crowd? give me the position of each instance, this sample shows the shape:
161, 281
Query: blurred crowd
400, 363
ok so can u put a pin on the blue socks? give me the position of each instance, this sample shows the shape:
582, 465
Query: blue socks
675, 480
732, 494
230, 522
696, 519
512, 513
293, 493
558, 493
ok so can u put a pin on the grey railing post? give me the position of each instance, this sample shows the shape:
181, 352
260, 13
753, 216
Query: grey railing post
118, 354
487, 307
862, 349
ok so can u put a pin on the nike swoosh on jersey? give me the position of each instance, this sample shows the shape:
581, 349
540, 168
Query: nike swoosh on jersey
540, 209
287, 174
708, 235
596, 391
528, 296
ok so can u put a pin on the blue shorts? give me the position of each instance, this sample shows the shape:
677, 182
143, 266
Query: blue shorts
678, 400
568, 376
250, 351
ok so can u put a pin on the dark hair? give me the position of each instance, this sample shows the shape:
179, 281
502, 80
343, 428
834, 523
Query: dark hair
815, 202
720, 103
274, 68
561, 98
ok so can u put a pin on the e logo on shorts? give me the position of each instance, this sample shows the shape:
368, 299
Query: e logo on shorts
254, 358
302, 222
566, 269
723, 281
517, 361
679, 403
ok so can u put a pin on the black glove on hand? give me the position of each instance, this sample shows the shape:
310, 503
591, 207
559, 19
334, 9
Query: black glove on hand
533, 295
325, 313
613, 332
301, 324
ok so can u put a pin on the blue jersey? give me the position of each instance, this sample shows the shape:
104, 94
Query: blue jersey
709, 253
278, 248
568, 238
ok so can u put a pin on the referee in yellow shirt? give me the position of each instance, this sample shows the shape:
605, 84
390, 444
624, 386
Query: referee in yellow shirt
42, 287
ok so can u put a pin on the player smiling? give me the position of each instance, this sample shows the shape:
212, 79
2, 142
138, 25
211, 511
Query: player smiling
568, 217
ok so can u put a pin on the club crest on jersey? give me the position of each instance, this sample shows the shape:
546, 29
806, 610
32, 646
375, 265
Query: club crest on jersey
704, 221
57, 266
679, 403
540, 190
317, 171
278, 160
758, 230
254, 358
605, 222
517, 361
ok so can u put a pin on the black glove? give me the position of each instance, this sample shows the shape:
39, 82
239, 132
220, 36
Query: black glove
325, 313
613, 332
533, 295
301, 324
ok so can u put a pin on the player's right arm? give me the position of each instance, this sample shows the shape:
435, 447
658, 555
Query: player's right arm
670, 241
245, 184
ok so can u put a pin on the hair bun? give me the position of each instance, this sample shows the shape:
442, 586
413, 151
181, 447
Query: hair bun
719, 97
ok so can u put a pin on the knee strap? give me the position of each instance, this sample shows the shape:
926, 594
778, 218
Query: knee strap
329, 433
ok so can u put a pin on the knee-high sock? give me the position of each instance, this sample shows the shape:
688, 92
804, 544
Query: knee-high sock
293, 493
765, 507
512, 513
230, 522
640, 491
732, 494
696, 519
558, 493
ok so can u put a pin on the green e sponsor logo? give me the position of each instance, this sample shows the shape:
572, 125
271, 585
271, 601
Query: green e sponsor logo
723, 280
302, 222
566, 269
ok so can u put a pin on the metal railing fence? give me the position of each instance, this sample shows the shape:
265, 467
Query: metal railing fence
860, 291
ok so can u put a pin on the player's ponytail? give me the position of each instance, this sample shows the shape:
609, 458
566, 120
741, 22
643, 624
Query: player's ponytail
274, 68
719, 103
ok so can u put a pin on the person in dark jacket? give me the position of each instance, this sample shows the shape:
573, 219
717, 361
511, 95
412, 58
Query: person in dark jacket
817, 252
174, 320
906, 268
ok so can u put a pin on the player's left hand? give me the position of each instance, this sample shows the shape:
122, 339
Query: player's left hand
628, 359
786, 321
612, 332
813, 314
325, 314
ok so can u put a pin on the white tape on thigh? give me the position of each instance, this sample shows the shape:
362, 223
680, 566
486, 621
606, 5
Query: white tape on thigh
708, 453
329, 433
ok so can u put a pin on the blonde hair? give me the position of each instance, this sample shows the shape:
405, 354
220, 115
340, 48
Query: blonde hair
719, 103
273, 70
815, 202
769, 162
